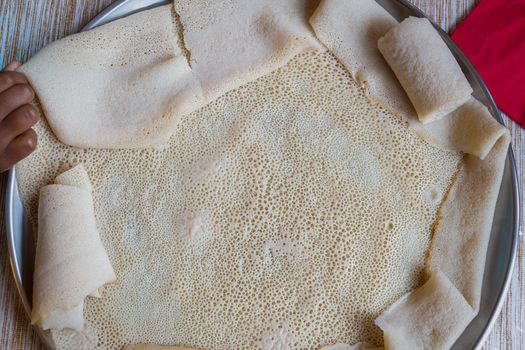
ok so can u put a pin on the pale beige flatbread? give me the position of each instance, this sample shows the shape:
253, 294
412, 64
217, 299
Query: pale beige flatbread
350, 30
470, 129
157, 347
71, 262
292, 198
232, 42
460, 241
127, 83
250, 185
357, 346
121, 85
431, 317
459, 246
425, 67
76, 176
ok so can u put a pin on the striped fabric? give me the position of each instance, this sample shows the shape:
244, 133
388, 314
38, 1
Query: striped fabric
26, 26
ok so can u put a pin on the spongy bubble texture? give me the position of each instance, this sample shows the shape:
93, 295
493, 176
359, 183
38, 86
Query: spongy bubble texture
287, 214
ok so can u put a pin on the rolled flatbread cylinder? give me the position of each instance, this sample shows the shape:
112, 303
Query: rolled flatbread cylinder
71, 262
425, 67
470, 129
431, 317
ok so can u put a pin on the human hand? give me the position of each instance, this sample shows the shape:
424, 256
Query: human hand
17, 116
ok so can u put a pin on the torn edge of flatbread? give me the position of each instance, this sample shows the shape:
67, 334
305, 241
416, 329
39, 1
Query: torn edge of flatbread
71, 263
227, 50
456, 258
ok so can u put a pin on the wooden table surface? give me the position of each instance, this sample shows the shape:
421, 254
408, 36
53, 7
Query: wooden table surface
27, 25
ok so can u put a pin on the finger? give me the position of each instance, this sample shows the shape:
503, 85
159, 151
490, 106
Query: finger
14, 97
12, 66
18, 149
8, 79
16, 123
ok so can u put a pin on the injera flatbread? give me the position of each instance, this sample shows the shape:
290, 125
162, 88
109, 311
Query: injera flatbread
127, 83
461, 236
156, 347
303, 87
350, 29
358, 346
431, 317
425, 67
71, 262
291, 210
114, 86
232, 42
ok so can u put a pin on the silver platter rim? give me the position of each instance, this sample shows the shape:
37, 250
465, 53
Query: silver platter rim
20, 239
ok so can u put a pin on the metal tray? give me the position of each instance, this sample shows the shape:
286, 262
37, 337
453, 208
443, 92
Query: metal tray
505, 229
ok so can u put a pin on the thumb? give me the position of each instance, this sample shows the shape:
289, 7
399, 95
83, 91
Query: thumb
12, 66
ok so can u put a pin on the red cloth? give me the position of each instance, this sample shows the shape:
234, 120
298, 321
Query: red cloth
493, 38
